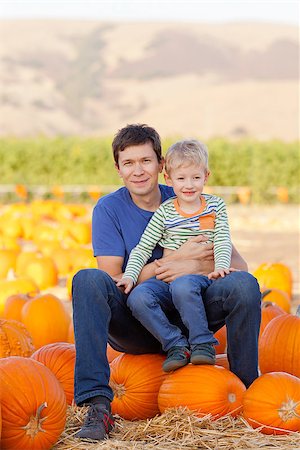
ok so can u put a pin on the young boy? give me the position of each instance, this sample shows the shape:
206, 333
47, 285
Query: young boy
188, 214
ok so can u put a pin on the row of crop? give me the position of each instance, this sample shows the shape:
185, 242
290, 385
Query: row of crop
68, 160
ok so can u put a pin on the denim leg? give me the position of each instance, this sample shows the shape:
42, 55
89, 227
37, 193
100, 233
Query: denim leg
100, 315
236, 301
149, 302
186, 294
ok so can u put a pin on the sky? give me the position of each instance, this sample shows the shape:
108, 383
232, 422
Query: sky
154, 10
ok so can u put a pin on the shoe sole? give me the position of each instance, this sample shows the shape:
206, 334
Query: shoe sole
173, 365
197, 360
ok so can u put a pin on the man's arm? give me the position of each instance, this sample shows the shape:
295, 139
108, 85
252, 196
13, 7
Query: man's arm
237, 261
111, 265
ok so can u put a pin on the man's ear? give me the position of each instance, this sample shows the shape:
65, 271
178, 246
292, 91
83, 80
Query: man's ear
118, 169
167, 179
161, 164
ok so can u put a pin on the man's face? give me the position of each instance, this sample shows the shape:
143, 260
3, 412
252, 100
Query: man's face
139, 169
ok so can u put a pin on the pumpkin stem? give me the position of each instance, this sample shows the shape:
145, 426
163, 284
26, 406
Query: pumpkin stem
288, 410
266, 292
118, 389
34, 425
298, 311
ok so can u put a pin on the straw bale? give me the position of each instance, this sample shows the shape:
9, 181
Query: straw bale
177, 428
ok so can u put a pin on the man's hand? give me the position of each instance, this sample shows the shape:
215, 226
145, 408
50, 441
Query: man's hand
126, 283
221, 273
194, 248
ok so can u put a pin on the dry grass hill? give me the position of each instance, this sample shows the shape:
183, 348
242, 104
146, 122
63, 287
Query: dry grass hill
70, 77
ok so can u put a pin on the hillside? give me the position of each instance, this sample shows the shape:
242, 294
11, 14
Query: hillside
70, 77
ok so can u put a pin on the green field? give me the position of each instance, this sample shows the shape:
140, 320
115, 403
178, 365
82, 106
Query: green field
262, 166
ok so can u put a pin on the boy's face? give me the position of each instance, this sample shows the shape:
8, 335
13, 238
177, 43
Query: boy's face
188, 182
139, 169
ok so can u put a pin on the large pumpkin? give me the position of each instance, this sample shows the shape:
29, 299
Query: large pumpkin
15, 340
205, 389
60, 359
274, 276
33, 405
268, 312
279, 345
273, 403
135, 381
46, 319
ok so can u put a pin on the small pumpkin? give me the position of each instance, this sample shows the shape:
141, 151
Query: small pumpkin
268, 312
279, 345
135, 381
204, 389
221, 335
15, 340
46, 319
277, 297
112, 353
274, 276
59, 357
13, 306
272, 403
33, 405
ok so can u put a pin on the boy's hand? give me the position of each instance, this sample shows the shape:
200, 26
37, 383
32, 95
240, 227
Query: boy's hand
220, 273
126, 283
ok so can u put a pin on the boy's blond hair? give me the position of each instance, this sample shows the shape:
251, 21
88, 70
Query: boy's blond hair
184, 152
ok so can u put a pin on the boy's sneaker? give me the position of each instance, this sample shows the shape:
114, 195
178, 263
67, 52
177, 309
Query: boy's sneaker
98, 423
176, 357
203, 354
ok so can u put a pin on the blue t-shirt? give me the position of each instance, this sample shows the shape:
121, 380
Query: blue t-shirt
118, 224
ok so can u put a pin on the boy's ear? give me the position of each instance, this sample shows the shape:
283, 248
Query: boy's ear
206, 176
167, 179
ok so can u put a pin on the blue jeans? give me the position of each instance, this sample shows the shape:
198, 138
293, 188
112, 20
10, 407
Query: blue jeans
100, 315
185, 296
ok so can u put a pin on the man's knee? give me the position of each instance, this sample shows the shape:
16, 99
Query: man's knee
245, 289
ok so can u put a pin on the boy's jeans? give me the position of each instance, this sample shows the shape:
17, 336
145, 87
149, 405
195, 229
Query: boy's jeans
186, 297
101, 315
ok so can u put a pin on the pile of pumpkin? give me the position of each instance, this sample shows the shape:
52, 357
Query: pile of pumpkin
37, 352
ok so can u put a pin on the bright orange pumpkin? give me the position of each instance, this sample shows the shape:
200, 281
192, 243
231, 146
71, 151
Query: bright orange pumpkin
112, 353
278, 297
279, 345
273, 403
46, 319
13, 306
221, 335
43, 271
60, 359
20, 285
204, 389
33, 405
15, 340
135, 381
268, 312
274, 276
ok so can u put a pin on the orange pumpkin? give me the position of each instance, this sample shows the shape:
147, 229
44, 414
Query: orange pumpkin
278, 297
71, 337
8, 258
279, 345
46, 319
43, 271
60, 359
135, 381
203, 389
33, 405
268, 312
221, 335
20, 285
13, 306
15, 340
273, 403
112, 353
274, 275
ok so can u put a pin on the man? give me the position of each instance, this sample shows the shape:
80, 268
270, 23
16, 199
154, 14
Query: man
100, 312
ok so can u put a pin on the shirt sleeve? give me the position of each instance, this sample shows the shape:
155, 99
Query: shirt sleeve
106, 233
140, 254
222, 240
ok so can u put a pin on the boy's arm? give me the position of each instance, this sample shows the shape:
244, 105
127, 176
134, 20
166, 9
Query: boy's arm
140, 254
222, 240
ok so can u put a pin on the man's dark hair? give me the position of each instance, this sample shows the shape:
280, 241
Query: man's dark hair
136, 134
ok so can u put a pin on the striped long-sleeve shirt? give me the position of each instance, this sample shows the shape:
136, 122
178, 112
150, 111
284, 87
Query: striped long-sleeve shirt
170, 228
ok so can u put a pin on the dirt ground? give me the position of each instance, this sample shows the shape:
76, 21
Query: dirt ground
268, 234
